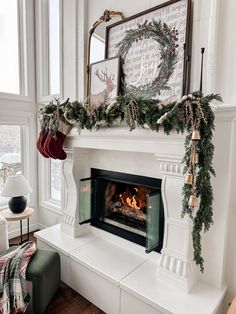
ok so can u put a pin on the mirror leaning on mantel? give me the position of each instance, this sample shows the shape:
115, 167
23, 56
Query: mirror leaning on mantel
96, 40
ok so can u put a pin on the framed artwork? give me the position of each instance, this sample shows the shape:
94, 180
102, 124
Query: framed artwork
104, 81
153, 46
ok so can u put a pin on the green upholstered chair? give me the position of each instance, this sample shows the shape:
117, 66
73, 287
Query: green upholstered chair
43, 271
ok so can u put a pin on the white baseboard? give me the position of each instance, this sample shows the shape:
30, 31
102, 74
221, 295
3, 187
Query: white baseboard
42, 226
16, 232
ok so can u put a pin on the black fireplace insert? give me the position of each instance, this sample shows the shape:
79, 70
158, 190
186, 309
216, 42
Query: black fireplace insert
126, 205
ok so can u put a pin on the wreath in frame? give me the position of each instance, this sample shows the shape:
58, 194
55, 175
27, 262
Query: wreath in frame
167, 40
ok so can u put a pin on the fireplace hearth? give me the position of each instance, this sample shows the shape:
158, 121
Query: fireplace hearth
126, 205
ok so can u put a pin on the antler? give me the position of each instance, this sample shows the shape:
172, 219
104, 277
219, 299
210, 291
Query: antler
112, 77
104, 77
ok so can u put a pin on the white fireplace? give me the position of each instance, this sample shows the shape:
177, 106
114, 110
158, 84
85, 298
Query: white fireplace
98, 264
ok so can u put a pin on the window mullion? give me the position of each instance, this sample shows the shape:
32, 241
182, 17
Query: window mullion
21, 41
45, 48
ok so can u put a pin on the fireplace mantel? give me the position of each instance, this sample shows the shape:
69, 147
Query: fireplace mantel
119, 138
145, 152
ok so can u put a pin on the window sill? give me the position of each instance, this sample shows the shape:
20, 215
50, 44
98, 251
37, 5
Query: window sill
3, 207
52, 206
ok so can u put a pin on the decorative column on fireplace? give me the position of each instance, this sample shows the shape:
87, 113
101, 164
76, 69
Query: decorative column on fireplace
176, 260
74, 168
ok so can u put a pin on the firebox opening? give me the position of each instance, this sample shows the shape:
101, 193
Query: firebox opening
129, 206
124, 205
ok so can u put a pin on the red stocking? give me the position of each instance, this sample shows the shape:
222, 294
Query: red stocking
54, 146
48, 139
40, 141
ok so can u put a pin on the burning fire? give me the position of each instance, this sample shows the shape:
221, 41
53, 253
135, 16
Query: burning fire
136, 201
132, 202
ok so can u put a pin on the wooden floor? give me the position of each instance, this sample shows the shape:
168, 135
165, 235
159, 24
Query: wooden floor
66, 300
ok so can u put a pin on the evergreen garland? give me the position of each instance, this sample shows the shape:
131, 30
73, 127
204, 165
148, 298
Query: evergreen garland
203, 218
153, 114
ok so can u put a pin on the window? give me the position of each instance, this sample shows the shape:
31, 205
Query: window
48, 45
56, 180
9, 43
54, 47
48, 30
17, 90
17, 49
10, 153
50, 178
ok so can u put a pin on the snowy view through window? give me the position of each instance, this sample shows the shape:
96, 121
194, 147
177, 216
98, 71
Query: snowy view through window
56, 179
10, 154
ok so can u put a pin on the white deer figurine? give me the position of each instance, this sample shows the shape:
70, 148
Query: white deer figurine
103, 97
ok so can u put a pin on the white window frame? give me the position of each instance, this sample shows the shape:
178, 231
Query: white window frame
43, 95
45, 200
26, 54
27, 164
20, 109
42, 51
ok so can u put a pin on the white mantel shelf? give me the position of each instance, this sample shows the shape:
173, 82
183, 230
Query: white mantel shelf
121, 139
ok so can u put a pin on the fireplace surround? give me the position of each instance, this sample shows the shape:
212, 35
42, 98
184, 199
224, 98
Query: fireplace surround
166, 282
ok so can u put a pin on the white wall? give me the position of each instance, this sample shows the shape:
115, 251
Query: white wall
231, 247
226, 62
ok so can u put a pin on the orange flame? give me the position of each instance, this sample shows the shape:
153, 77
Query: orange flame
132, 202
136, 200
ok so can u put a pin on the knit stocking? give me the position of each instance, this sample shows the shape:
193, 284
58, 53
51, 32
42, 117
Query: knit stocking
54, 144
40, 143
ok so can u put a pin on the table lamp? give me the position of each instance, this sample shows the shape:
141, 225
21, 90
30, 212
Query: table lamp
16, 187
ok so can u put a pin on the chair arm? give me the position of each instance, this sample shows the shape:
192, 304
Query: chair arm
4, 245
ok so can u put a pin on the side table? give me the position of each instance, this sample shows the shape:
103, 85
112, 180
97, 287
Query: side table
26, 214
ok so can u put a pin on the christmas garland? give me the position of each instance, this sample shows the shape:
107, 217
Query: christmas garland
191, 114
167, 40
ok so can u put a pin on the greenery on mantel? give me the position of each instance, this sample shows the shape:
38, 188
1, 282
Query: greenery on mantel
191, 113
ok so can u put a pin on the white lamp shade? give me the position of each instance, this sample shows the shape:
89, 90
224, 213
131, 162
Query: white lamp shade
16, 185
